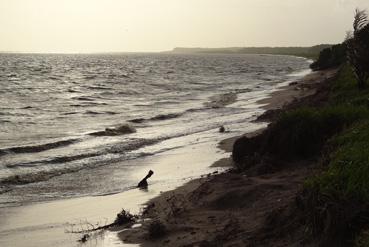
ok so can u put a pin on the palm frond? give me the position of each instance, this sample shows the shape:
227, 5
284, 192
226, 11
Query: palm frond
361, 20
358, 47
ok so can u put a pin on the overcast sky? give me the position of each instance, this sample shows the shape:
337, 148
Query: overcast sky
157, 25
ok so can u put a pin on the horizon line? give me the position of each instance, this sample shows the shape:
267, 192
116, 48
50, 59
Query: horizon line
163, 51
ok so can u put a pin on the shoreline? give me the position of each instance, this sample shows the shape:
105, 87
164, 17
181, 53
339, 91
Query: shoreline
202, 213
27, 224
281, 99
108, 206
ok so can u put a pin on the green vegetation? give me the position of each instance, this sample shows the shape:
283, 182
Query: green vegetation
303, 132
347, 175
343, 185
330, 57
363, 239
358, 48
335, 200
342, 127
337, 204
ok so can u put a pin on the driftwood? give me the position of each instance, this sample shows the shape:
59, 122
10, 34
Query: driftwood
123, 218
90, 228
143, 183
85, 228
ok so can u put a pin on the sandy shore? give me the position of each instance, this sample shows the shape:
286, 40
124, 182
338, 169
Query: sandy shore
307, 86
45, 223
236, 209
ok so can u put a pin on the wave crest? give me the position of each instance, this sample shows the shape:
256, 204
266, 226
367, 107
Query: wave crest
121, 130
37, 148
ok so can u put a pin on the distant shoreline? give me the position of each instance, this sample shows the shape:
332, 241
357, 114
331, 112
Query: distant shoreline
307, 52
303, 51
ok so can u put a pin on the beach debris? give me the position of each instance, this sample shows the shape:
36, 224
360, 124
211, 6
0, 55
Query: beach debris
143, 182
84, 238
221, 129
124, 217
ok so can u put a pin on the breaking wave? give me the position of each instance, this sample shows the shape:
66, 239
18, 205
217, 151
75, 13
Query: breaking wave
121, 130
37, 148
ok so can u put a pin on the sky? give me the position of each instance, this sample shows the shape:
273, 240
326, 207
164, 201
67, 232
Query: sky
87, 26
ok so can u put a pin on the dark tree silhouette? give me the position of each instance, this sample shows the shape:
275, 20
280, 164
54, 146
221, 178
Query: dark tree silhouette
330, 57
358, 47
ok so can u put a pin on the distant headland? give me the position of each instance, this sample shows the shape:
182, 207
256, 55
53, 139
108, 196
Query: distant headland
310, 52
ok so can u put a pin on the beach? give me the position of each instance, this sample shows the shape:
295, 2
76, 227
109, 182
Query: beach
50, 220
44, 213
232, 208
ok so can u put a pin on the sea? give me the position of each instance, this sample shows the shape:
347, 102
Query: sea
75, 125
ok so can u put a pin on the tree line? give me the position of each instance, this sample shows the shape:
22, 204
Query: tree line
354, 50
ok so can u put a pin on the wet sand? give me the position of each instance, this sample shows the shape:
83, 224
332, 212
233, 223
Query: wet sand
233, 209
307, 86
45, 224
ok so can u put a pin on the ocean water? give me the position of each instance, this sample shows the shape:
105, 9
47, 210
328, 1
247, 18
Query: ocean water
68, 123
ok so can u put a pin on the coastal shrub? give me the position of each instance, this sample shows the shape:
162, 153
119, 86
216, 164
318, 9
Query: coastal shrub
330, 57
362, 239
298, 134
337, 199
157, 229
358, 48
246, 147
344, 90
347, 175
339, 196
302, 133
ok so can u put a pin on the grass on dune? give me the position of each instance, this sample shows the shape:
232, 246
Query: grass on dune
342, 127
347, 174
303, 132
338, 133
